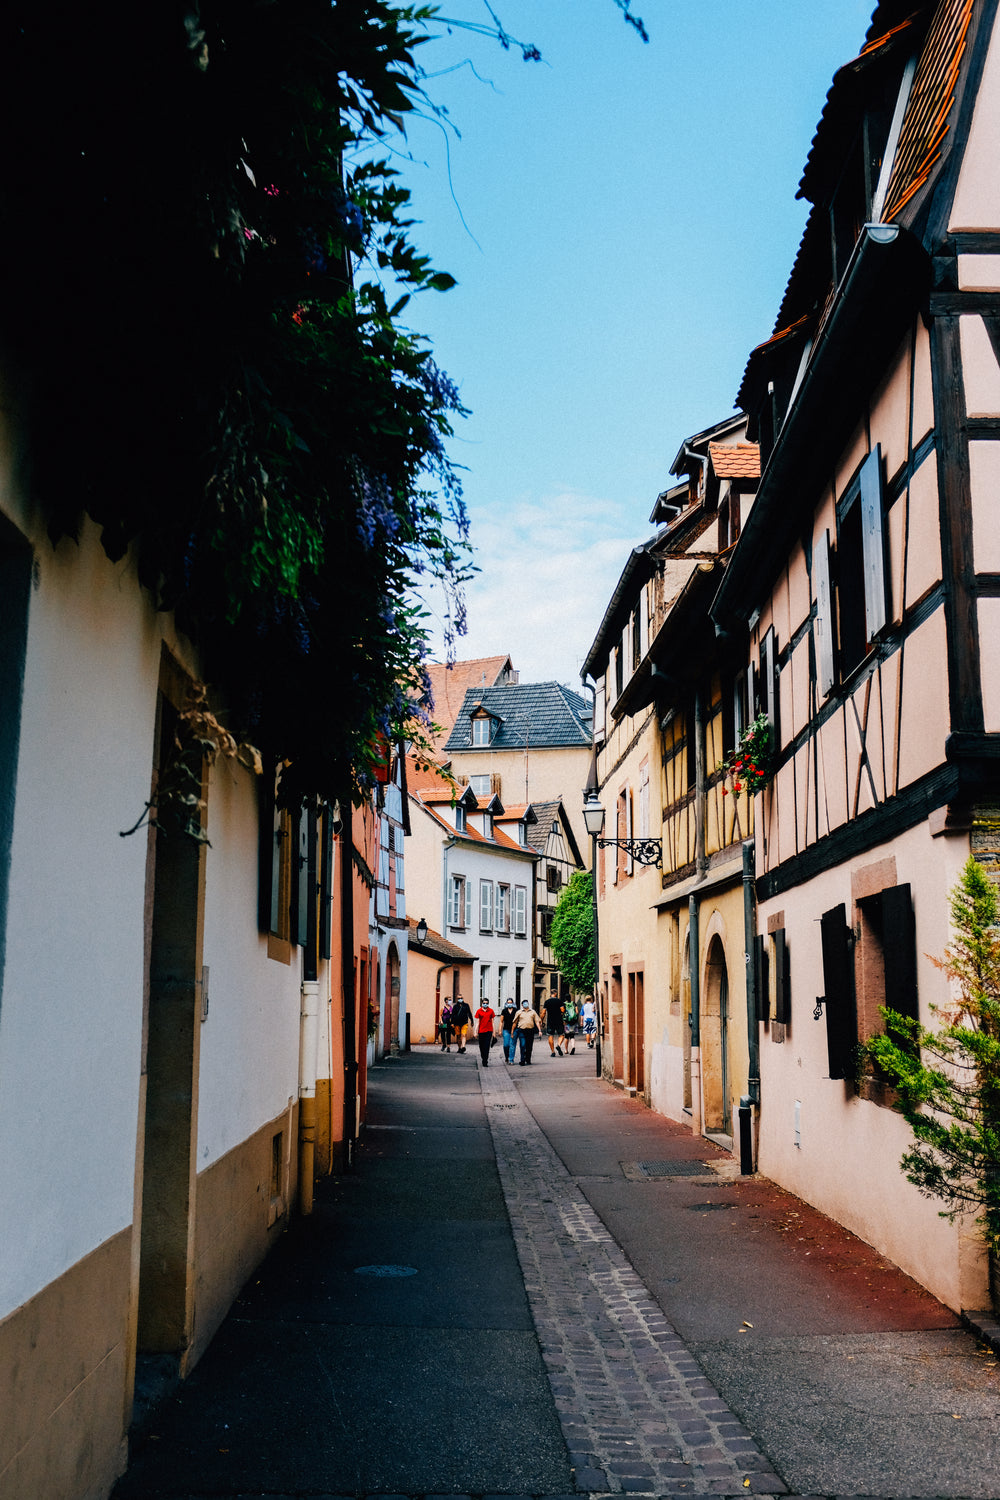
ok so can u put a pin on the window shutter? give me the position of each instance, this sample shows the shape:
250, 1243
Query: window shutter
520, 911
838, 978
899, 951
326, 886
467, 888
769, 683
629, 862
301, 925
485, 905
762, 978
873, 542
824, 616
782, 999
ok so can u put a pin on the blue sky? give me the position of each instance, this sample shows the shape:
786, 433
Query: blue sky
621, 219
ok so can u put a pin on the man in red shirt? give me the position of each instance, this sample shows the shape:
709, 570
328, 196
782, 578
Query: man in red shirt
484, 1030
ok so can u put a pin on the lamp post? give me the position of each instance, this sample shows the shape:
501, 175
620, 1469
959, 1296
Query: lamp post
593, 818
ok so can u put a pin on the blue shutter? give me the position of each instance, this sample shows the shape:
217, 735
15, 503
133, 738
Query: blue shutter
823, 635
873, 543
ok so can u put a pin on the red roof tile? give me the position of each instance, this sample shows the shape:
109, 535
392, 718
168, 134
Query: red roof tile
735, 460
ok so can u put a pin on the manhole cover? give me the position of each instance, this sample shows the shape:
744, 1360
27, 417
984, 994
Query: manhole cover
649, 1169
385, 1271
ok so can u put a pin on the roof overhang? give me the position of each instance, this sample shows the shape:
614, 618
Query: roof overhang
885, 284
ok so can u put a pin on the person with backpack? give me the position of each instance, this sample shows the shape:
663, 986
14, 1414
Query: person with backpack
572, 1016
507, 1028
444, 1026
461, 1016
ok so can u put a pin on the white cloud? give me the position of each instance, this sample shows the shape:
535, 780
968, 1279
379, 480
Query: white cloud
549, 567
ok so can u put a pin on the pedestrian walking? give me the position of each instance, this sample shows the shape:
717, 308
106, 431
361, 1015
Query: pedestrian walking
461, 1016
555, 1024
572, 1016
526, 1023
444, 1026
589, 1021
485, 1016
507, 1030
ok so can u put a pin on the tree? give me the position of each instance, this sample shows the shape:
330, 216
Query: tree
572, 935
947, 1077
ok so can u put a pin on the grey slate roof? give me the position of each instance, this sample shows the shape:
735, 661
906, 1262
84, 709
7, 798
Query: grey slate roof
542, 715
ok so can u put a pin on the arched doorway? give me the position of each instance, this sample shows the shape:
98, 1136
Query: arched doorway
715, 1042
392, 995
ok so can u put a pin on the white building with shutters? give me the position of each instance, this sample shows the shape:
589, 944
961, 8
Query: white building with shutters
473, 881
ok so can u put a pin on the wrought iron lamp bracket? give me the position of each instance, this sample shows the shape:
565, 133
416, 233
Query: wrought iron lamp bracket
643, 851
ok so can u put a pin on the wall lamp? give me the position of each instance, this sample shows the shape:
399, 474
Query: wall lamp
643, 851
421, 931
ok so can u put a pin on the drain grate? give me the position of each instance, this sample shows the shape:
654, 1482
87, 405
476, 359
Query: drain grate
650, 1169
503, 1106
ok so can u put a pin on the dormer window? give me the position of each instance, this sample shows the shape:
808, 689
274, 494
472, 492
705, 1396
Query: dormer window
487, 825
481, 730
460, 824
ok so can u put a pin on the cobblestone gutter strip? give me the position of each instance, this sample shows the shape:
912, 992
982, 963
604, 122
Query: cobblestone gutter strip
637, 1413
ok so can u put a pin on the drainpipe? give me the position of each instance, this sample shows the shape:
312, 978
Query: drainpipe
694, 968
309, 1029
751, 1102
350, 999
308, 1033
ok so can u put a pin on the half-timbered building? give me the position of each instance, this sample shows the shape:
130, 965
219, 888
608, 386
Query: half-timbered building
868, 575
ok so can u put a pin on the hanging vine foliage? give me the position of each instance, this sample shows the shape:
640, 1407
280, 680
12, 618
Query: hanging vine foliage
196, 241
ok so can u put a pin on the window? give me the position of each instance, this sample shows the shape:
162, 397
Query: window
619, 670
546, 914
643, 831
503, 909
484, 984
487, 825
481, 785
520, 911
518, 980
460, 820
637, 635
553, 878
874, 966
481, 730
459, 910
501, 983
485, 906
851, 590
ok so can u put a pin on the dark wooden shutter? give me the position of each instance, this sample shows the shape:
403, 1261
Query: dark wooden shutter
873, 542
899, 951
326, 884
824, 617
782, 998
762, 978
267, 851
838, 979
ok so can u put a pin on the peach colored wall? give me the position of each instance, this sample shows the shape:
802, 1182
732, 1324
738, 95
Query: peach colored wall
848, 1160
976, 204
980, 370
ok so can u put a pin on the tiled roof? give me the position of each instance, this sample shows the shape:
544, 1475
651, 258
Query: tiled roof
929, 105
436, 945
735, 460
541, 715
449, 686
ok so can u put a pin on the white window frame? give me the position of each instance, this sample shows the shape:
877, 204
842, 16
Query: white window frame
482, 785
481, 731
456, 901
484, 984
520, 911
502, 920
501, 983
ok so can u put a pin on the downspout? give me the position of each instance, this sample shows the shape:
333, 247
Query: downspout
694, 971
351, 1101
309, 1030
750, 1104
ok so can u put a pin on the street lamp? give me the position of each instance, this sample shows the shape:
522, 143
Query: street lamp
421, 930
593, 818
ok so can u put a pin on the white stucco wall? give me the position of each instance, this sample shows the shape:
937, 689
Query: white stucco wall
71, 1016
